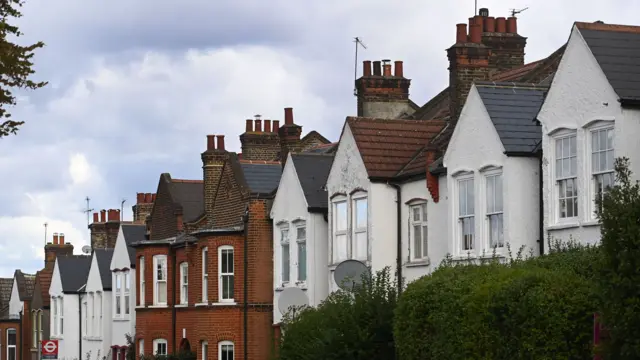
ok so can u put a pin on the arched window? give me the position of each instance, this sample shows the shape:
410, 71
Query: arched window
225, 350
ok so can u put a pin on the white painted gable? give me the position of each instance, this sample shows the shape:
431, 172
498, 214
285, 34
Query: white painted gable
290, 200
120, 259
348, 171
55, 289
15, 305
94, 281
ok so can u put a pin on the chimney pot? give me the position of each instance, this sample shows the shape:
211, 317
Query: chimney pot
490, 24
398, 71
366, 68
258, 125
461, 33
275, 126
140, 198
267, 126
147, 198
501, 25
377, 69
103, 215
249, 126
95, 217
288, 116
153, 197
512, 25
472, 20
220, 139
479, 20
387, 70
211, 142
55, 239
61, 239
476, 33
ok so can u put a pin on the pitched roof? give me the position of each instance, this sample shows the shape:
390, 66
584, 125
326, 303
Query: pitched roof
388, 145
44, 278
133, 233
313, 170
617, 50
190, 195
323, 149
513, 108
103, 256
74, 271
25, 284
262, 177
6, 285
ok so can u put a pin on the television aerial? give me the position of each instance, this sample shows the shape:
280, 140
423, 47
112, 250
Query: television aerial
290, 299
350, 274
86, 249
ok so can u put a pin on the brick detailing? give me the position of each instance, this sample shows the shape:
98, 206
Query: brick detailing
432, 180
258, 144
51, 251
312, 140
143, 207
390, 90
104, 230
468, 62
260, 253
507, 51
213, 161
230, 200
162, 221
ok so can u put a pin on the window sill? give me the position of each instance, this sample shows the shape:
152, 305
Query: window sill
465, 257
591, 223
158, 306
418, 263
120, 319
300, 285
92, 338
182, 305
563, 226
201, 304
54, 337
140, 306
231, 303
488, 256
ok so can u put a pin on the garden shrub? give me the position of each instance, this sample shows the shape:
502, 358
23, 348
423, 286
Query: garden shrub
345, 326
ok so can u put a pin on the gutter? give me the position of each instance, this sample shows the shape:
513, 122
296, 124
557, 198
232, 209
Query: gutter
245, 315
398, 234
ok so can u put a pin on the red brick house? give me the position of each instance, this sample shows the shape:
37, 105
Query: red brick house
9, 325
205, 271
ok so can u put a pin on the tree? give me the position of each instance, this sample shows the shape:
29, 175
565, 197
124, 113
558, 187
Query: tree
16, 65
619, 214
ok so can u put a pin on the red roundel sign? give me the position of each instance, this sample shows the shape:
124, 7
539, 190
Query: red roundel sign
49, 349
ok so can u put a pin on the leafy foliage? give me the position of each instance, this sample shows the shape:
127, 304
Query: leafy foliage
345, 326
16, 65
619, 214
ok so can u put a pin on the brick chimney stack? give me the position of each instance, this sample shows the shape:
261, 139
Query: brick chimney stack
213, 161
258, 142
289, 134
501, 35
105, 228
380, 92
143, 207
56, 248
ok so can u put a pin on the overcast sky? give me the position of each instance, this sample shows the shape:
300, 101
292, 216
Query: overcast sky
135, 87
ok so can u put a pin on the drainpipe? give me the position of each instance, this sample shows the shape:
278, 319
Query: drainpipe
245, 319
541, 204
21, 331
398, 233
79, 325
172, 253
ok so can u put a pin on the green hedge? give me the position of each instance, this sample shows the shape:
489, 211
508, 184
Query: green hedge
534, 309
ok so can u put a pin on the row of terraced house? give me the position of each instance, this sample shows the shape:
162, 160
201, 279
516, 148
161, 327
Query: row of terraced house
507, 155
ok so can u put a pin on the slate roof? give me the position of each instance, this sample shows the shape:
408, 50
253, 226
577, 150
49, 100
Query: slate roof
323, 149
617, 50
262, 177
6, 285
103, 256
74, 271
133, 233
313, 171
513, 108
189, 194
388, 145
26, 283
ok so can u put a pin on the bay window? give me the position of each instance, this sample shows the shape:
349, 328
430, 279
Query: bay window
225, 270
205, 275
340, 241
127, 291
118, 294
466, 214
301, 243
184, 283
160, 279
54, 305
495, 210
34, 330
92, 311
418, 230
566, 176
602, 161
100, 311
286, 253
61, 312
359, 218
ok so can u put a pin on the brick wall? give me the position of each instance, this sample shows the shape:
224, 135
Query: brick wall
104, 230
4, 326
382, 94
261, 143
143, 207
230, 200
163, 220
468, 62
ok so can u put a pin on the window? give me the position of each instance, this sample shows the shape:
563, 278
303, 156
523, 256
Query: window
184, 283
99, 295
286, 253
301, 242
127, 292
566, 177
11, 344
54, 304
340, 242
225, 263
141, 347
34, 330
117, 294
92, 310
360, 244
602, 160
40, 326
160, 347
160, 279
205, 350
141, 295
205, 275
494, 211
225, 350
85, 315
61, 310
466, 213
418, 214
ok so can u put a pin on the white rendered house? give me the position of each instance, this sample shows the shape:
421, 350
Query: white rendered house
96, 307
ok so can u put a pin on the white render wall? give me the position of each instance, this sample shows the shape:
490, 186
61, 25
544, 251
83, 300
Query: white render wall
122, 326
580, 95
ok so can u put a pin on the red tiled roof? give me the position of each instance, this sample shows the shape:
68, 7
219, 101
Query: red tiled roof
387, 146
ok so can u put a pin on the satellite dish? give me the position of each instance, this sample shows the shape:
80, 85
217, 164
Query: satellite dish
350, 273
292, 298
86, 249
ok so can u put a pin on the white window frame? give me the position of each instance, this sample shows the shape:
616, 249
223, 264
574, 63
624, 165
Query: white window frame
141, 347
117, 296
34, 329
555, 180
285, 253
142, 282
61, 315
14, 346
355, 229
85, 314
157, 259
184, 283
602, 125
100, 311
424, 231
54, 313
301, 244
339, 200
468, 214
40, 326
222, 275
205, 275
488, 176
126, 295
225, 343
157, 342
205, 350
92, 311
